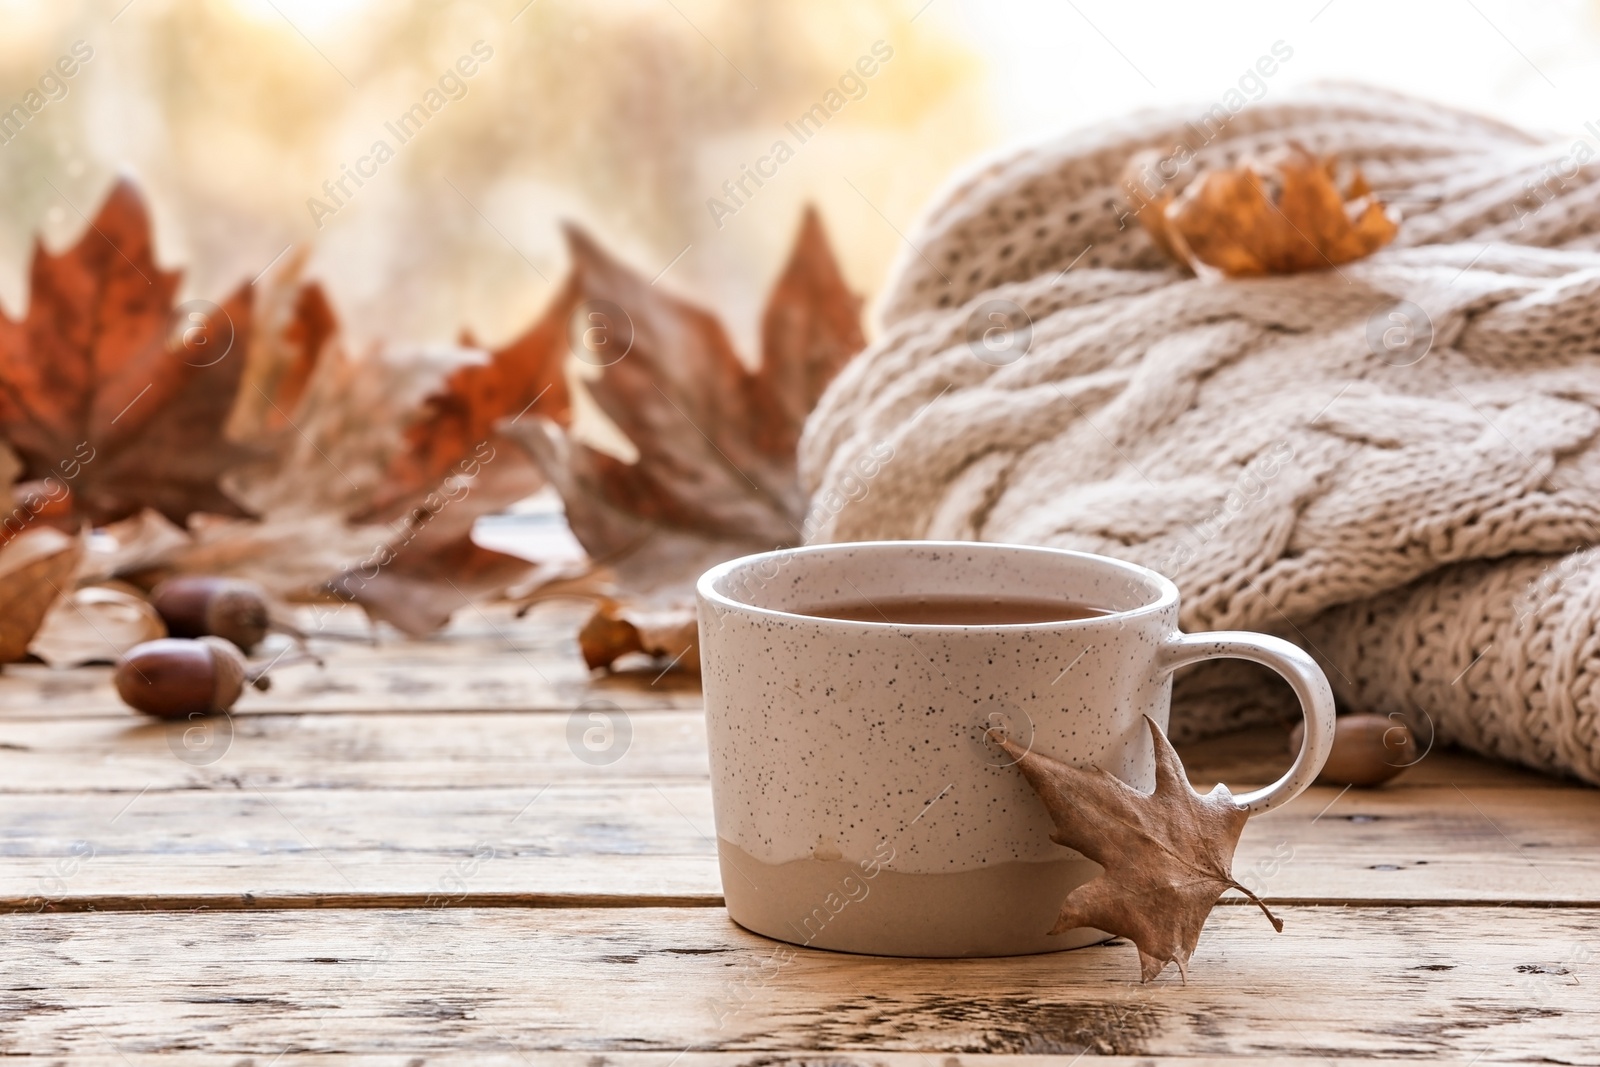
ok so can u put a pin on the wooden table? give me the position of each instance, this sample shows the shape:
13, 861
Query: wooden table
403, 860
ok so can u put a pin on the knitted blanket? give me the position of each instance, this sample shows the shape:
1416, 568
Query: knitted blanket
1394, 463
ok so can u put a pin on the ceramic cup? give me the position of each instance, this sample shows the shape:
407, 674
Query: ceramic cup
861, 801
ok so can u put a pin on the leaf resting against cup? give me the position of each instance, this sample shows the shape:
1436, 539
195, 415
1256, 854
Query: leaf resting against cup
1279, 214
1168, 855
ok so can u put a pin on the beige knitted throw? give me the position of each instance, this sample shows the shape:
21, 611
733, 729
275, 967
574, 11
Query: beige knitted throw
1276, 445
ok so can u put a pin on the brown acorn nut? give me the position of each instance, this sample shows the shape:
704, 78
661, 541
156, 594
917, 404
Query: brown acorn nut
177, 678
1368, 750
195, 605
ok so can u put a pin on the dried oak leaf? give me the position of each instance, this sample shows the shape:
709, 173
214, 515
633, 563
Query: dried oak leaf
109, 388
1168, 855
1280, 214
36, 567
715, 476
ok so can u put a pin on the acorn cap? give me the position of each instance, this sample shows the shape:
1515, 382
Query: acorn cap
238, 611
230, 670
195, 605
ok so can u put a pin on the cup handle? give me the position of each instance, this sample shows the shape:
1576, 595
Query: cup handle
1299, 670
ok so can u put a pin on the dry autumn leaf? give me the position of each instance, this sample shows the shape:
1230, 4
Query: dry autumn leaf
456, 423
1281, 214
95, 625
423, 584
293, 326
323, 420
308, 417
134, 549
329, 427
271, 452
1168, 855
109, 389
619, 627
36, 567
715, 476
454, 466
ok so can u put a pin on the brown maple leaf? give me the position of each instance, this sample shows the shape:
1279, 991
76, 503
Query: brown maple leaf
293, 326
1281, 214
108, 388
36, 567
457, 421
452, 451
1168, 855
716, 471
318, 426
453, 467
328, 425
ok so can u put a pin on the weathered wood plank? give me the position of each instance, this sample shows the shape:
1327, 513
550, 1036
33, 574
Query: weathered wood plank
542, 844
1400, 983
631, 841
484, 661
421, 677
698, 1058
272, 752
1260, 754
488, 660
126, 751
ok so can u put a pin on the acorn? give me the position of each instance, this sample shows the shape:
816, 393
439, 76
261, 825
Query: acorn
178, 678
197, 605
1367, 750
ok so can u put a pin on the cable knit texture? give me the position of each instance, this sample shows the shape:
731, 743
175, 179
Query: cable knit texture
1418, 524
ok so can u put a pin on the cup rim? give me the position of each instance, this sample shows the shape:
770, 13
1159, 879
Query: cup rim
1167, 591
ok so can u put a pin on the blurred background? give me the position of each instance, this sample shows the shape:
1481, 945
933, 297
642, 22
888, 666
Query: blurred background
629, 115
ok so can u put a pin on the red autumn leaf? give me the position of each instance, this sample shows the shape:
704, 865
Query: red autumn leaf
108, 388
456, 423
294, 324
453, 453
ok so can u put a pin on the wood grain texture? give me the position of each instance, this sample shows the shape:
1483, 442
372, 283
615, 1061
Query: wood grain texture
487, 660
699, 1058
393, 751
612, 839
384, 680
508, 748
411, 858
1391, 983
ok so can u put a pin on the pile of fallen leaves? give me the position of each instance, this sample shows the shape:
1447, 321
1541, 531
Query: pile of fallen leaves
142, 438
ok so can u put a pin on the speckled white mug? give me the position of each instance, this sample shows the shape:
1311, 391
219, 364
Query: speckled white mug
861, 803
